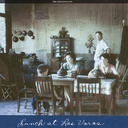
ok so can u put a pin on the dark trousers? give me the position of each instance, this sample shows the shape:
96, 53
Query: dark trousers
33, 103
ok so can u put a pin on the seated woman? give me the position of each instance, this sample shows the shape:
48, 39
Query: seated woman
104, 66
71, 66
109, 71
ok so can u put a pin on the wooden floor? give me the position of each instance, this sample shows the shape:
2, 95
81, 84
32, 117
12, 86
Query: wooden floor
10, 108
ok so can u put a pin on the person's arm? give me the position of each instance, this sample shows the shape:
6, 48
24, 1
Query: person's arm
115, 72
108, 50
91, 72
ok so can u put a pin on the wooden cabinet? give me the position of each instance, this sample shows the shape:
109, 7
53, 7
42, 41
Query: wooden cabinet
59, 46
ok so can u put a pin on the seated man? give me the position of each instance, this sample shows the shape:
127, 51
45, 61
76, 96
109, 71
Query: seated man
108, 70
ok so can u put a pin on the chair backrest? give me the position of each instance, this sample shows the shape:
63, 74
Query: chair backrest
89, 87
43, 86
121, 68
20, 81
123, 72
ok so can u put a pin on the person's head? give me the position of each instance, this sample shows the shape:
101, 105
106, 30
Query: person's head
104, 59
99, 35
70, 57
32, 59
42, 70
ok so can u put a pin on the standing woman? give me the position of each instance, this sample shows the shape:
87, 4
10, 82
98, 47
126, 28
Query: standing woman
71, 66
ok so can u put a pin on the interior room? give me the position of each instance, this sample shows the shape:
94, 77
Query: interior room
41, 33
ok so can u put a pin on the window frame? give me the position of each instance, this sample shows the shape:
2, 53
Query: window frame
8, 27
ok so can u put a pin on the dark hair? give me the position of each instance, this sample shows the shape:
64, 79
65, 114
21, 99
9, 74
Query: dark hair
70, 54
42, 68
105, 55
99, 33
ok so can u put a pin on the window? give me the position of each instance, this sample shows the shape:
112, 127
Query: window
2, 28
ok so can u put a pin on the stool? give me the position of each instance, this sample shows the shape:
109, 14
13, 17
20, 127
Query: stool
8, 91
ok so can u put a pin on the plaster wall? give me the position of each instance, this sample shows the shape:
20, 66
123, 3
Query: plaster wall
80, 20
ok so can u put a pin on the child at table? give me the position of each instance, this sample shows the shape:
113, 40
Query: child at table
42, 70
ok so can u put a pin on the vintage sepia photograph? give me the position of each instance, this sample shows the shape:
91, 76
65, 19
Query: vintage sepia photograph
63, 58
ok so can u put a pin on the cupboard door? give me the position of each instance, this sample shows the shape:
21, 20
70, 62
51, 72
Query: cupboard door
60, 46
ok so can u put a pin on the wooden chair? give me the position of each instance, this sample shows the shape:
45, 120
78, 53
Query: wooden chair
7, 89
123, 73
23, 93
89, 94
44, 92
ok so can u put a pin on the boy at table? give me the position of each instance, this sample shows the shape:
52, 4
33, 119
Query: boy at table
42, 70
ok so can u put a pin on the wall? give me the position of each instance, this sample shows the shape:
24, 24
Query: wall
80, 20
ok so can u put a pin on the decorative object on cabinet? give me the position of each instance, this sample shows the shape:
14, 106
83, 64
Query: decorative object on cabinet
63, 33
89, 44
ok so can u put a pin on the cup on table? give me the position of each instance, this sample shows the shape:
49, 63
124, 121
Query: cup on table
73, 74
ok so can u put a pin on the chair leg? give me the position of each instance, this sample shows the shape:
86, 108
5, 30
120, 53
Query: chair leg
37, 107
25, 101
18, 103
99, 109
54, 106
63, 100
77, 106
39, 103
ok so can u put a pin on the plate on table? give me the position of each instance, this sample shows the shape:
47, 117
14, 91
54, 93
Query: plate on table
61, 76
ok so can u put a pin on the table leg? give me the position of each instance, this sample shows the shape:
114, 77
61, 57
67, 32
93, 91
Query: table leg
108, 103
114, 100
71, 100
77, 104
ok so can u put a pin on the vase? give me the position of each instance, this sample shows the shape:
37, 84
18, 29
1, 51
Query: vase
62, 72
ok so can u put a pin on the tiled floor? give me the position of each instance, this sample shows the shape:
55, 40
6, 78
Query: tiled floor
10, 108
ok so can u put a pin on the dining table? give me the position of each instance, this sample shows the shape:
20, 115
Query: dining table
65, 82
108, 87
